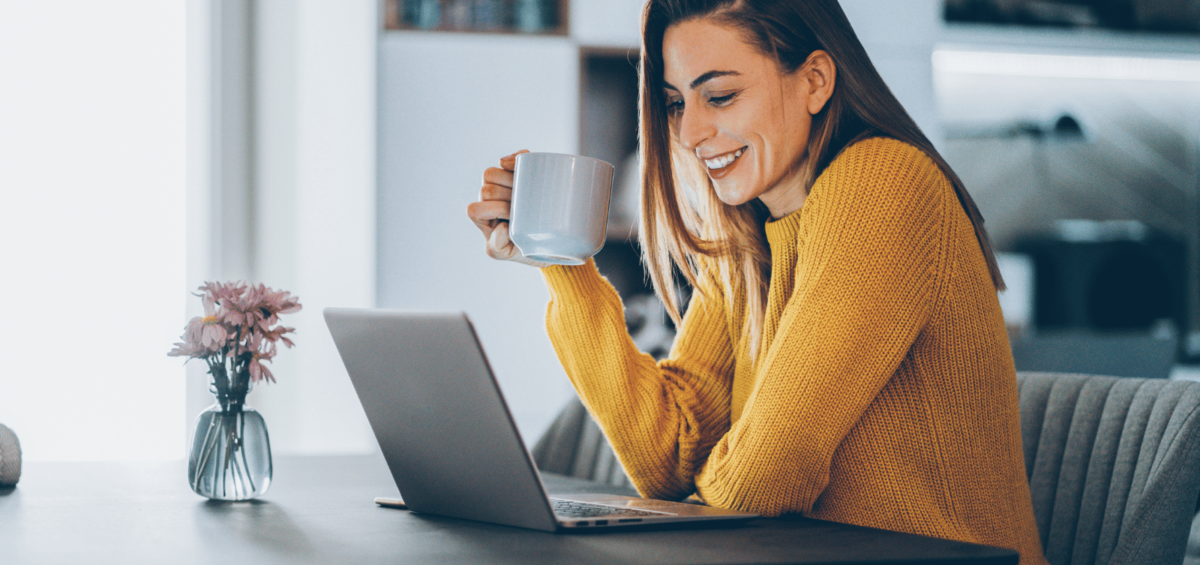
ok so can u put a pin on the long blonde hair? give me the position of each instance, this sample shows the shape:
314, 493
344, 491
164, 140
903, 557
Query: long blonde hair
709, 243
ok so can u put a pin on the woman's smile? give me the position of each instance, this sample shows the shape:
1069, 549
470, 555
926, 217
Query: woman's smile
720, 165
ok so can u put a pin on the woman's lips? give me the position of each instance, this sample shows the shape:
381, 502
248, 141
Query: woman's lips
720, 165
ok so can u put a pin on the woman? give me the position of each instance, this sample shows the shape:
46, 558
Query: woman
844, 355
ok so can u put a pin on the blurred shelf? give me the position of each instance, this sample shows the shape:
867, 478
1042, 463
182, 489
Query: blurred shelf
507, 17
608, 122
1084, 41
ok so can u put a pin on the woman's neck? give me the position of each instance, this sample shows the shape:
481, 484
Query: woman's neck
788, 195
784, 199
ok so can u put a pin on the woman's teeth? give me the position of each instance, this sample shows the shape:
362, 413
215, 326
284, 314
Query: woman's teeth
722, 162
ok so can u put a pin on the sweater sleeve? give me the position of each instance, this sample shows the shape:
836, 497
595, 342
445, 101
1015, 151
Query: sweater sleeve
661, 418
872, 246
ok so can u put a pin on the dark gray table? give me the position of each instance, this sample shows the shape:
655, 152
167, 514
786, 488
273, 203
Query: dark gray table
320, 510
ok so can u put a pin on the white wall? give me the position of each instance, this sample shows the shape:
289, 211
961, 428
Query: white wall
450, 106
314, 206
899, 36
281, 144
92, 113
198, 217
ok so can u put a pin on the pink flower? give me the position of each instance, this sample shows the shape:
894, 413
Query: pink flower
258, 371
218, 294
194, 331
239, 319
277, 334
185, 350
202, 337
213, 334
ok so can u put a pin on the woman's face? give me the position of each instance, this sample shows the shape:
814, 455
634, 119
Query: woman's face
739, 114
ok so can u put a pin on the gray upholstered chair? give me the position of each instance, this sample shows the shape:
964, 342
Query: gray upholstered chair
1113, 466
574, 446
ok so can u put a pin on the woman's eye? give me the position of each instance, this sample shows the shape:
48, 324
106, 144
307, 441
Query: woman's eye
674, 106
721, 100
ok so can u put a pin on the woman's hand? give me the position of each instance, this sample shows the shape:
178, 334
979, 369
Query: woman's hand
493, 211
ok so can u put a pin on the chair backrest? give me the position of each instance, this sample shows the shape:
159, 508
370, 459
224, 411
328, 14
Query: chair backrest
574, 446
1113, 465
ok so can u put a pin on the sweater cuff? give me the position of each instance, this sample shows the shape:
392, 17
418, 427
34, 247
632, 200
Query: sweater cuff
578, 280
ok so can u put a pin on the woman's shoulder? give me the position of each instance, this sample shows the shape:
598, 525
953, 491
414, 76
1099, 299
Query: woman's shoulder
875, 155
881, 166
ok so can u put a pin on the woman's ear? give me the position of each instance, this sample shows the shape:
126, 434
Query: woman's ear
820, 76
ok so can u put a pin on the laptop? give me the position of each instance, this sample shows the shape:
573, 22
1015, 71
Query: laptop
449, 439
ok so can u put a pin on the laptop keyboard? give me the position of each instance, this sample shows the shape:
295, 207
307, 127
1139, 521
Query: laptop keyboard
573, 509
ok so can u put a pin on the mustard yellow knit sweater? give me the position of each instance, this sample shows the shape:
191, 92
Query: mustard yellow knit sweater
883, 393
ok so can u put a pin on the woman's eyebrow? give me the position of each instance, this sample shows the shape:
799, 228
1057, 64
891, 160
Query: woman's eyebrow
709, 76
704, 78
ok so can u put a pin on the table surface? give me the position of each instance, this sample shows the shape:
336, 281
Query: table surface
320, 510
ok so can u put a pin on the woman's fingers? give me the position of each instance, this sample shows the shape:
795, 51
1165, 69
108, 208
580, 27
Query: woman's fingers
499, 245
498, 176
486, 214
495, 192
509, 163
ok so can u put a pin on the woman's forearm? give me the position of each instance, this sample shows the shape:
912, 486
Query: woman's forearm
661, 418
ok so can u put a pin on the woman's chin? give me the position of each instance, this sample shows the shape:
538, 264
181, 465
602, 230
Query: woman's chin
732, 195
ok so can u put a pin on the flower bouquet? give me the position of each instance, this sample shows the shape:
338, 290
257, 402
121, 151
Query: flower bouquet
239, 332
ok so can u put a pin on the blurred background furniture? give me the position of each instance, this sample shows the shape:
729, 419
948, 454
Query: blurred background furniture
1129, 355
1112, 465
1107, 277
1172, 16
1108, 299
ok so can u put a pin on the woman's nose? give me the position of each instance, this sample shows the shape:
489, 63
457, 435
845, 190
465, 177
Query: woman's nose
695, 126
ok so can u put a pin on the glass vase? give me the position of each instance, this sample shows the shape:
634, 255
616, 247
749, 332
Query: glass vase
231, 453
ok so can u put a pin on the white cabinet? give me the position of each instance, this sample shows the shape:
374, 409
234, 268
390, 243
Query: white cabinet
607, 23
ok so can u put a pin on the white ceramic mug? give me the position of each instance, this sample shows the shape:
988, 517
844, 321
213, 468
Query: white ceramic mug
560, 207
